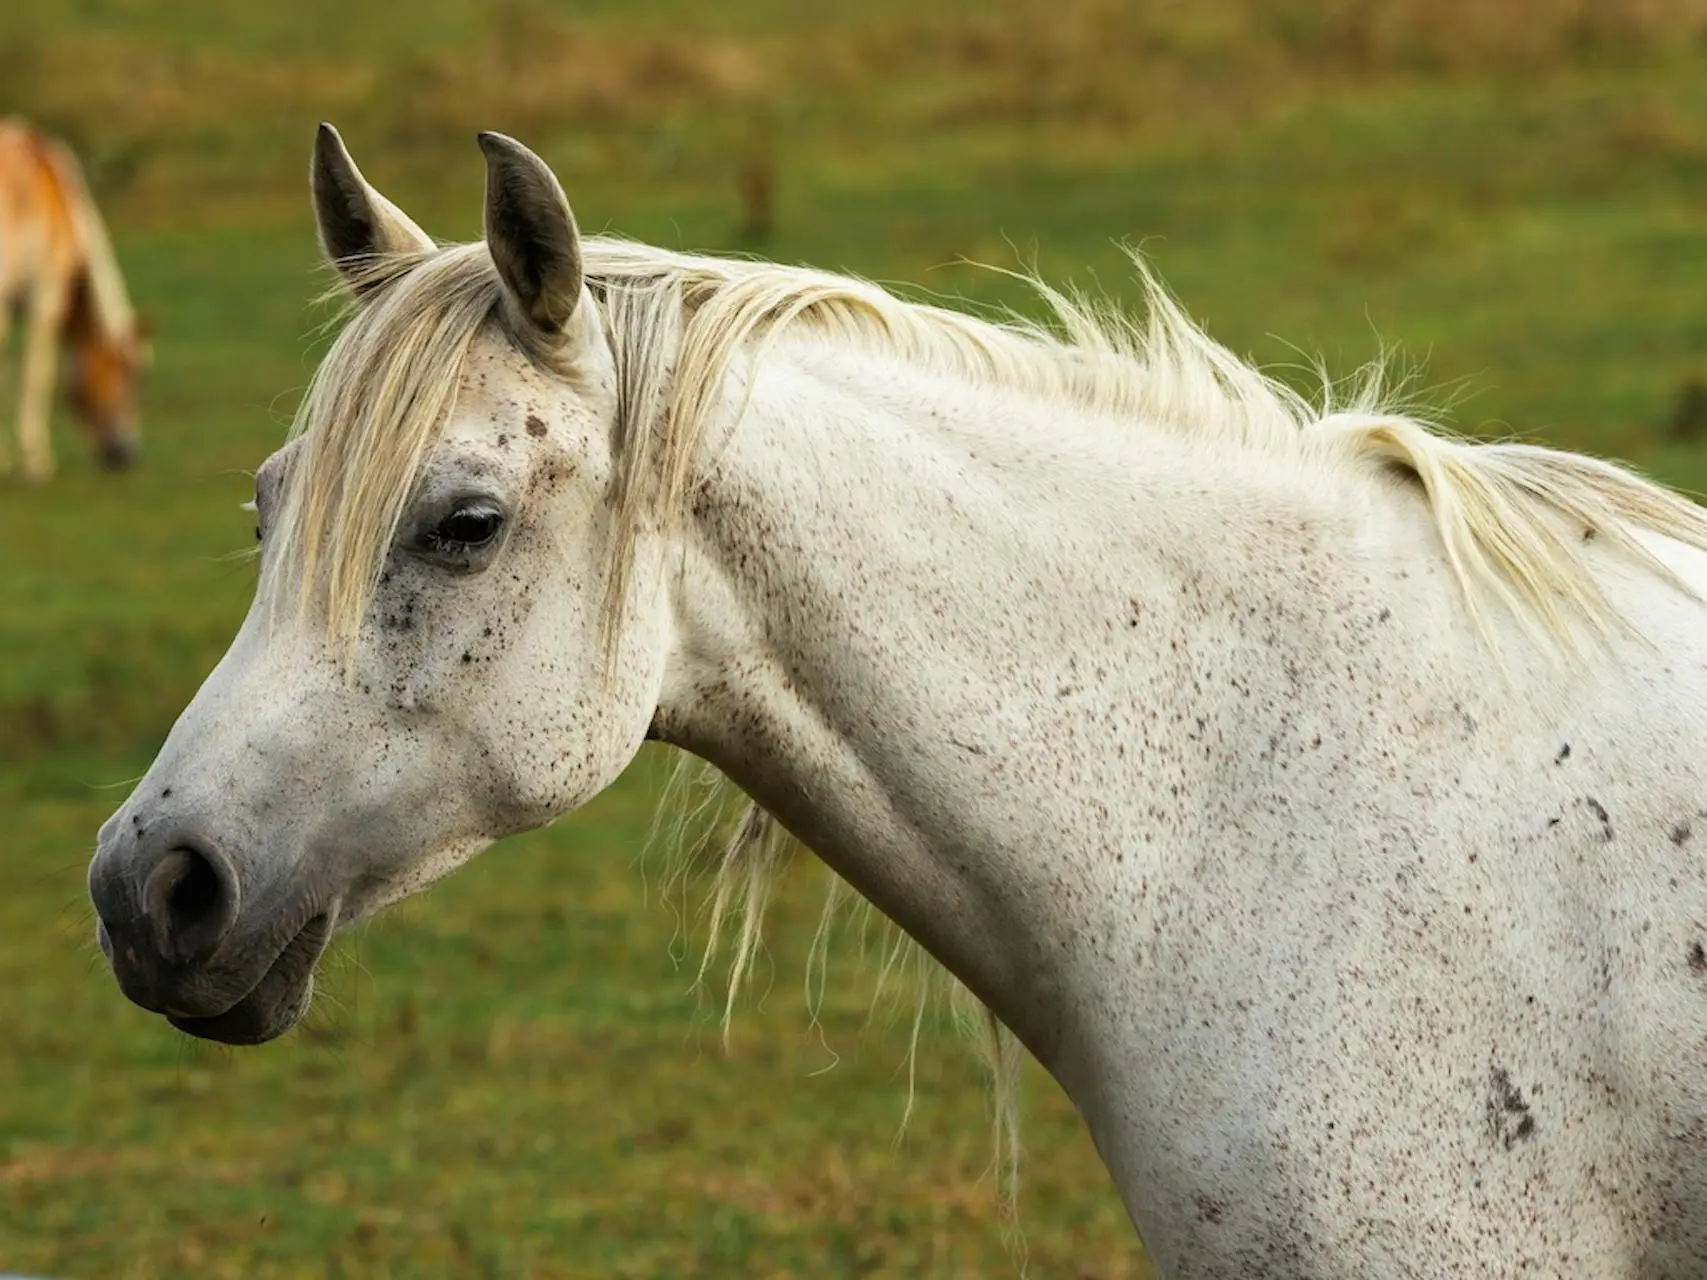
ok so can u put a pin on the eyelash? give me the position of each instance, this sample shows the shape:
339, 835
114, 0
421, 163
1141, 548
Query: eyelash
443, 538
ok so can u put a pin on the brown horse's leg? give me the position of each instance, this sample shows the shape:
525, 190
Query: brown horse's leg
41, 343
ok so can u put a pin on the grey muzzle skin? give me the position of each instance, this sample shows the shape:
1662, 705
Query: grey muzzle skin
169, 907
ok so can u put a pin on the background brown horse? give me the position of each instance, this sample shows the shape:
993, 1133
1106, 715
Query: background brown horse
59, 276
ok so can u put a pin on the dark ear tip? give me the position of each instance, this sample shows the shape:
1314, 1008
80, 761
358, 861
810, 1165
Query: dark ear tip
499, 146
328, 149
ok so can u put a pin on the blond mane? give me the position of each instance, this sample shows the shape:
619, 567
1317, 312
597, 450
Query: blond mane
677, 322
1513, 519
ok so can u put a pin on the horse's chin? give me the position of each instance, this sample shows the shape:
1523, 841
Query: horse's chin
277, 1002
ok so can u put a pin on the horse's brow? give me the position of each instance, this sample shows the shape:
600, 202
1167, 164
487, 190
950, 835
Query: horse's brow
459, 461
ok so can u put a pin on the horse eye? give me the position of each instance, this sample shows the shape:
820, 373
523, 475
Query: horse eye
468, 528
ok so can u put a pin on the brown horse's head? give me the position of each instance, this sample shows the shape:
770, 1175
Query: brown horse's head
102, 373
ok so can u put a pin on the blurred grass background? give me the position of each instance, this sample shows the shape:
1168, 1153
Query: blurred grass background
508, 1076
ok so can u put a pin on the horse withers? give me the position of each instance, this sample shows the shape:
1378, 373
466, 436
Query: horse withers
60, 279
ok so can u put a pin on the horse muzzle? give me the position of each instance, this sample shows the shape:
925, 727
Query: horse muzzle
173, 926
118, 454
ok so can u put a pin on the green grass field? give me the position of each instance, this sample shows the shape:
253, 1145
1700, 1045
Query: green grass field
510, 1076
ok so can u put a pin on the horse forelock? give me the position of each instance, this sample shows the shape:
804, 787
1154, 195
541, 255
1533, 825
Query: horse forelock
374, 405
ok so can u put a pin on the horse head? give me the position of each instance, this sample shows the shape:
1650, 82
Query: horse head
103, 375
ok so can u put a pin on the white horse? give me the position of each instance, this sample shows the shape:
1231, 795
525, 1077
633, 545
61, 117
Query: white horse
1318, 798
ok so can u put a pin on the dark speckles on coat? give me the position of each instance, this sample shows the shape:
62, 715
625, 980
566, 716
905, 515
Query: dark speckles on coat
1510, 1120
402, 617
1600, 815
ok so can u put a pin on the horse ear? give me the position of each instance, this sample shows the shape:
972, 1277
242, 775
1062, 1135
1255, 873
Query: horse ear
531, 234
355, 223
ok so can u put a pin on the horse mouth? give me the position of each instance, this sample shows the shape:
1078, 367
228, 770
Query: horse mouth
277, 1001
118, 454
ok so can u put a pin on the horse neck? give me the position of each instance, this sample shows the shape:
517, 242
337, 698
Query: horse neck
100, 285
84, 328
904, 607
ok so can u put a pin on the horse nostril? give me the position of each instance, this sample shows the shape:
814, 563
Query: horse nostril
193, 894
192, 899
